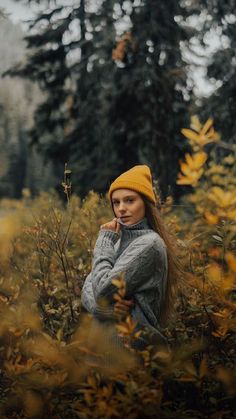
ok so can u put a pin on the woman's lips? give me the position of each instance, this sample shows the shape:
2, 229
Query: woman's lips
124, 219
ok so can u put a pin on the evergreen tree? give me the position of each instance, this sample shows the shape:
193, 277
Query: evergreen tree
150, 108
70, 125
18, 99
220, 17
110, 103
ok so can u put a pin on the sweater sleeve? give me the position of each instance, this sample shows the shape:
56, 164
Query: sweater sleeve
88, 302
137, 262
87, 297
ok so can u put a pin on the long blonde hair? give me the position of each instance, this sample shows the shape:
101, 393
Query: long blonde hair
175, 276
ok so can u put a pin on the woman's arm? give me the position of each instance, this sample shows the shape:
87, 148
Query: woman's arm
118, 310
138, 263
87, 297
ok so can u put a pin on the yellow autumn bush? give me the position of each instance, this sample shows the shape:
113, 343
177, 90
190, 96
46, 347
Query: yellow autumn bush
211, 236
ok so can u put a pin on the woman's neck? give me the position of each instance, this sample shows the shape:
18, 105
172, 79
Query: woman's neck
140, 225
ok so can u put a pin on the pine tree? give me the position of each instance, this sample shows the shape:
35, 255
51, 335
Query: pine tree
18, 100
150, 107
71, 74
110, 102
222, 69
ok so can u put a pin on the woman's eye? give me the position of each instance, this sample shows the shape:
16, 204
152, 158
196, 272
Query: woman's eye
130, 200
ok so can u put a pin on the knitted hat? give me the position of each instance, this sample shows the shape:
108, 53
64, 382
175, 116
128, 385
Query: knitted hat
138, 179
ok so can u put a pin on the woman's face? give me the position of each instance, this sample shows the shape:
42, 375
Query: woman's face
128, 205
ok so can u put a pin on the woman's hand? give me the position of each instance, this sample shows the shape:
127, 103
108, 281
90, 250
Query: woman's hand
123, 307
111, 225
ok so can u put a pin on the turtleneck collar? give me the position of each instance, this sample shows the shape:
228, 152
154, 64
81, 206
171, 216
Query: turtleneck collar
131, 232
140, 225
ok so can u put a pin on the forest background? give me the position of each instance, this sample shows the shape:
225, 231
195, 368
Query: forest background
106, 85
101, 86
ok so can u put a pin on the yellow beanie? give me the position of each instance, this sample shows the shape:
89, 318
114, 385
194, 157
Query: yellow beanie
138, 179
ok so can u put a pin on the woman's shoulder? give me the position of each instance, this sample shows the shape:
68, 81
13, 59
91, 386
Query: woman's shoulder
151, 239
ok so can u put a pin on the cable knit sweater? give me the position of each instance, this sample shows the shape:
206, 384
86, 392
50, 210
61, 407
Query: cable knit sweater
140, 254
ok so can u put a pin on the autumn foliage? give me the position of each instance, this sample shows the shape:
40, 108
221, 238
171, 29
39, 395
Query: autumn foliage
54, 364
125, 43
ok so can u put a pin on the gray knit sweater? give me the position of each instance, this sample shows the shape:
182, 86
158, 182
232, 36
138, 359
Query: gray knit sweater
139, 253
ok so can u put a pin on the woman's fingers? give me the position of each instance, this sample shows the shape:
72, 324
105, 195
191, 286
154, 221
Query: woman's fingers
123, 307
117, 227
125, 303
111, 225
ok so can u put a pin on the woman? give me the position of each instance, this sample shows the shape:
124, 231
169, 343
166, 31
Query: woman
136, 244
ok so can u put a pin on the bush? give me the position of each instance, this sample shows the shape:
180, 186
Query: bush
50, 369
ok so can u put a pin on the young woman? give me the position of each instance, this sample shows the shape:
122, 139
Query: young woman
136, 244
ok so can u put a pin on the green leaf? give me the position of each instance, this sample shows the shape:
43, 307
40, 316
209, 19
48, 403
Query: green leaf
217, 238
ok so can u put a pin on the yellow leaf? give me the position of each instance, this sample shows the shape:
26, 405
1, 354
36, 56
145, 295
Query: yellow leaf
231, 159
211, 218
206, 126
117, 297
221, 332
201, 135
123, 329
228, 282
192, 169
222, 198
195, 123
231, 214
194, 162
131, 323
119, 283
186, 170
191, 135
183, 180
212, 135
214, 273
217, 169
199, 159
231, 261
59, 334
217, 193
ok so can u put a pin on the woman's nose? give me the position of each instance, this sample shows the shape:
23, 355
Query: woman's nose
122, 207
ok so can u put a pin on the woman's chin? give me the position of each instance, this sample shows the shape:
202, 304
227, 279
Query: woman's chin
130, 222
126, 221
